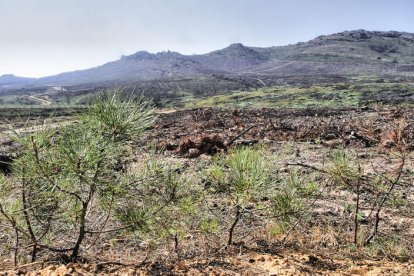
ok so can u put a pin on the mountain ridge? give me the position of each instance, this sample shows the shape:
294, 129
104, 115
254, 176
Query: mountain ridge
350, 52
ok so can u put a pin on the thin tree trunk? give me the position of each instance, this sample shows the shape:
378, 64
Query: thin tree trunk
16, 249
356, 215
233, 226
28, 222
177, 245
82, 231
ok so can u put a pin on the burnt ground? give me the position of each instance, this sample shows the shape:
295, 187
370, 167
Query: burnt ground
319, 245
309, 136
208, 130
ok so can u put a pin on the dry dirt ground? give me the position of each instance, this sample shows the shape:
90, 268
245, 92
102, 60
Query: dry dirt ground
239, 264
317, 246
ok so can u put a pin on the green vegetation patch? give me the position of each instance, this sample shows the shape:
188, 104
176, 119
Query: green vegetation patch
338, 95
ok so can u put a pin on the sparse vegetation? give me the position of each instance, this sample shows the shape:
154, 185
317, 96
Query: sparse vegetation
315, 181
352, 92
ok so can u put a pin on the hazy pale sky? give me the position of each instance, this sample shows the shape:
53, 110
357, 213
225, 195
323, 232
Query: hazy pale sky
45, 37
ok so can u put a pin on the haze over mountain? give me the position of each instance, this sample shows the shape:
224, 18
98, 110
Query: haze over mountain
358, 52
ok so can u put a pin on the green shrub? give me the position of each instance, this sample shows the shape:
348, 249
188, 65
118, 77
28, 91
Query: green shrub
159, 202
243, 178
65, 180
122, 119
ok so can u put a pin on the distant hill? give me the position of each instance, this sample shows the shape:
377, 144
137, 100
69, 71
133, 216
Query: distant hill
358, 52
9, 79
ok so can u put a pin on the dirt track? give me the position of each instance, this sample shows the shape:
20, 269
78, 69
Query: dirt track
41, 100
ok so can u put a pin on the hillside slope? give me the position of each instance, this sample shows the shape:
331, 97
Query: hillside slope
358, 52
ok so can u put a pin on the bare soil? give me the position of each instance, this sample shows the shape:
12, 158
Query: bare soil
239, 264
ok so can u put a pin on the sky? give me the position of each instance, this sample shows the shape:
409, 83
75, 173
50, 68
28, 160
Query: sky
45, 37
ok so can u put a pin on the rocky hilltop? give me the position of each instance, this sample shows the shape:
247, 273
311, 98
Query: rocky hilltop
357, 52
